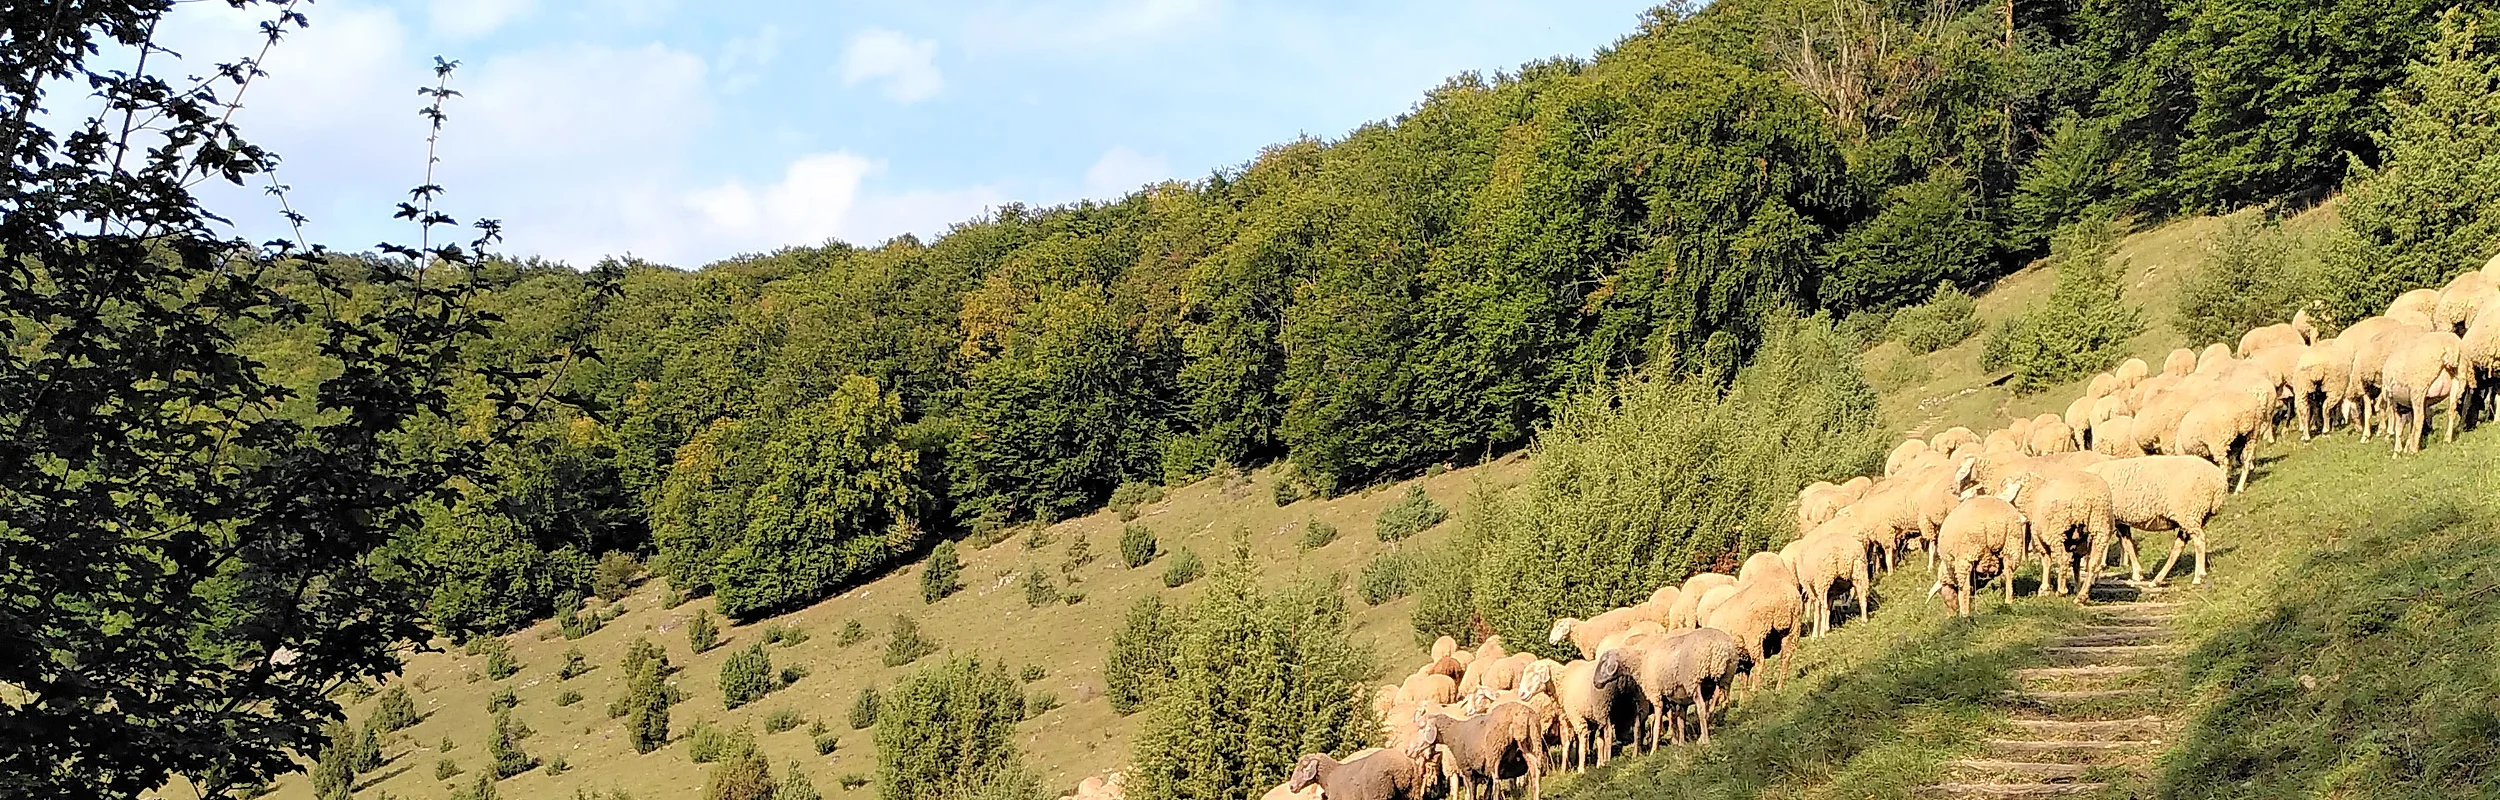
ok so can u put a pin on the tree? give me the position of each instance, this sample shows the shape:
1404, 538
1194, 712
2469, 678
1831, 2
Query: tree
1258, 681
744, 775
503, 747
746, 676
843, 499
393, 710
796, 786
2085, 323
646, 703
949, 731
206, 544
2432, 208
1140, 659
702, 634
2256, 274
941, 575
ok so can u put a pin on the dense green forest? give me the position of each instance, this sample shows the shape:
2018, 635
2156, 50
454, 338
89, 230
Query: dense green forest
1422, 290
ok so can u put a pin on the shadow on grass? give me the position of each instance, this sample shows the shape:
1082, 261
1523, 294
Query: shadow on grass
2370, 672
1874, 718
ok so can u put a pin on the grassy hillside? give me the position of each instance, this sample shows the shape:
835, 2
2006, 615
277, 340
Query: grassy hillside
989, 617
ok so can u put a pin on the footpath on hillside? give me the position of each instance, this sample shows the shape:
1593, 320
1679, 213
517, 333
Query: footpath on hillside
2089, 722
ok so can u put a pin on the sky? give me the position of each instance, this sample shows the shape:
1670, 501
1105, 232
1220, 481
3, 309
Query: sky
686, 132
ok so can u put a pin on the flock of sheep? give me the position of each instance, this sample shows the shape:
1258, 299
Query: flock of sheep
2139, 451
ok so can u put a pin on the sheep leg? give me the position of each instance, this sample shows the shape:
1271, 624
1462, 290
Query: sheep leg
1701, 711
2248, 461
2197, 534
2173, 560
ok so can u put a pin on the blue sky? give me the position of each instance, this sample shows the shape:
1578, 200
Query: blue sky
685, 132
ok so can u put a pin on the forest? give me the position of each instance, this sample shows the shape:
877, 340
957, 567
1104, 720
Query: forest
1577, 243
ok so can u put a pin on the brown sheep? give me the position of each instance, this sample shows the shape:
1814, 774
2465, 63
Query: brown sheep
1689, 666
1984, 529
2160, 493
2464, 296
2419, 374
2321, 385
1378, 774
1502, 742
1763, 617
1685, 613
1824, 559
1445, 665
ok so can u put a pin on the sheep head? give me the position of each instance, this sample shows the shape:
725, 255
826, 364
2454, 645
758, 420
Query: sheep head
1962, 476
1305, 773
1562, 628
1427, 734
1609, 667
1533, 681
2013, 489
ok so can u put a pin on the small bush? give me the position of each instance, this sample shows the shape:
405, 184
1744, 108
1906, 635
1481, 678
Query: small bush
1317, 534
826, 742
445, 768
447, 745
783, 719
674, 597
785, 635
1038, 589
1038, 703
574, 624
614, 577
1388, 577
1130, 495
556, 766
1287, 491
568, 698
746, 676
942, 575
503, 747
2084, 324
394, 711
796, 786
864, 709
503, 698
1072, 597
640, 653
1899, 371
703, 634
793, 673
1137, 546
905, 643
1079, 555
708, 743
1033, 672
1864, 328
2256, 275
1947, 318
499, 661
1410, 515
574, 665
988, 530
852, 780
852, 633
1038, 535
1183, 569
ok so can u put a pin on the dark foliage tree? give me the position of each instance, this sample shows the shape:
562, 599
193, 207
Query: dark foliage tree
948, 731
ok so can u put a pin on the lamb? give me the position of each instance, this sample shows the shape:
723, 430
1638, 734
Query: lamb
2419, 373
1983, 529
2159, 493
1826, 558
1584, 709
1585, 634
1690, 666
1685, 614
1487, 747
1378, 774
1762, 617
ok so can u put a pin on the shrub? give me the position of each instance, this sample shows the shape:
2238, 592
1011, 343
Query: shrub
744, 775
568, 697
615, 575
674, 597
557, 766
1287, 491
852, 633
647, 697
1137, 546
864, 708
746, 676
1865, 328
792, 673
574, 665
905, 644
1410, 515
988, 530
708, 743
1317, 534
641, 653
796, 786
1389, 576
1130, 495
445, 768
1038, 535
481, 788
1038, 703
499, 661
942, 574
2431, 209
2255, 275
572, 623
785, 635
501, 699
1079, 555
1947, 318
1038, 589
1033, 672
2083, 326
1898, 371
1932, 230
826, 742
852, 780
949, 731
1072, 597
393, 711
783, 719
503, 748
1183, 569
1140, 658
702, 634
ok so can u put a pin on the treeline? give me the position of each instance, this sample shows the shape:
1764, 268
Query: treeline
1424, 290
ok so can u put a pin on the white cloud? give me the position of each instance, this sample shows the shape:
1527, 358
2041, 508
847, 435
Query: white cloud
1120, 171
819, 197
907, 66
469, 19
1088, 27
743, 59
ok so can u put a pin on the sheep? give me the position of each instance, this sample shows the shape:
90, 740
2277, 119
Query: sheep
1951, 438
1496, 673
1584, 709
2223, 426
2001, 440
2419, 373
1585, 634
2051, 437
1430, 688
2109, 405
1445, 665
1762, 617
2180, 363
1829, 556
1391, 773
2214, 359
1443, 647
2078, 419
2259, 339
2373, 340
2067, 510
1822, 500
1483, 747
2321, 384
2159, 493
1310, 792
1660, 602
2418, 301
2463, 297
2131, 372
1687, 602
1710, 602
2115, 436
1767, 567
1984, 528
2102, 384
2478, 363
2020, 428
1629, 634
1902, 454
1688, 666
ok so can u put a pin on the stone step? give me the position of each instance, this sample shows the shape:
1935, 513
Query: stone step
2118, 630
2088, 671
2010, 789
2105, 639
2104, 654
2034, 770
2106, 730
2157, 620
2044, 698
2042, 748
2152, 606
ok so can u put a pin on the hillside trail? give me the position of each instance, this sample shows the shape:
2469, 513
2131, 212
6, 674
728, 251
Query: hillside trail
2090, 722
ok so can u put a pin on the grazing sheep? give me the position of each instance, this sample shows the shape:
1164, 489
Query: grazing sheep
1584, 709
2160, 493
2478, 364
1585, 634
2420, 373
2102, 384
2078, 419
1443, 647
1710, 602
1952, 437
1902, 454
2132, 371
1828, 557
1763, 617
1766, 568
2214, 359
2109, 405
2068, 510
1686, 667
1630, 634
1310, 792
1503, 741
1445, 665
2180, 363
2463, 297
2373, 340
2115, 436
2051, 437
2418, 301
2298, 332
1660, 602
1495, 673
1686, 613
1380, 774
1429, 688
2020, 428
2001, 440
1983, 530
2223, 426
2321, 385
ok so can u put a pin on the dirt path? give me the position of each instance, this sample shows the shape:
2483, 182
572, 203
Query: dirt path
2090, 721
